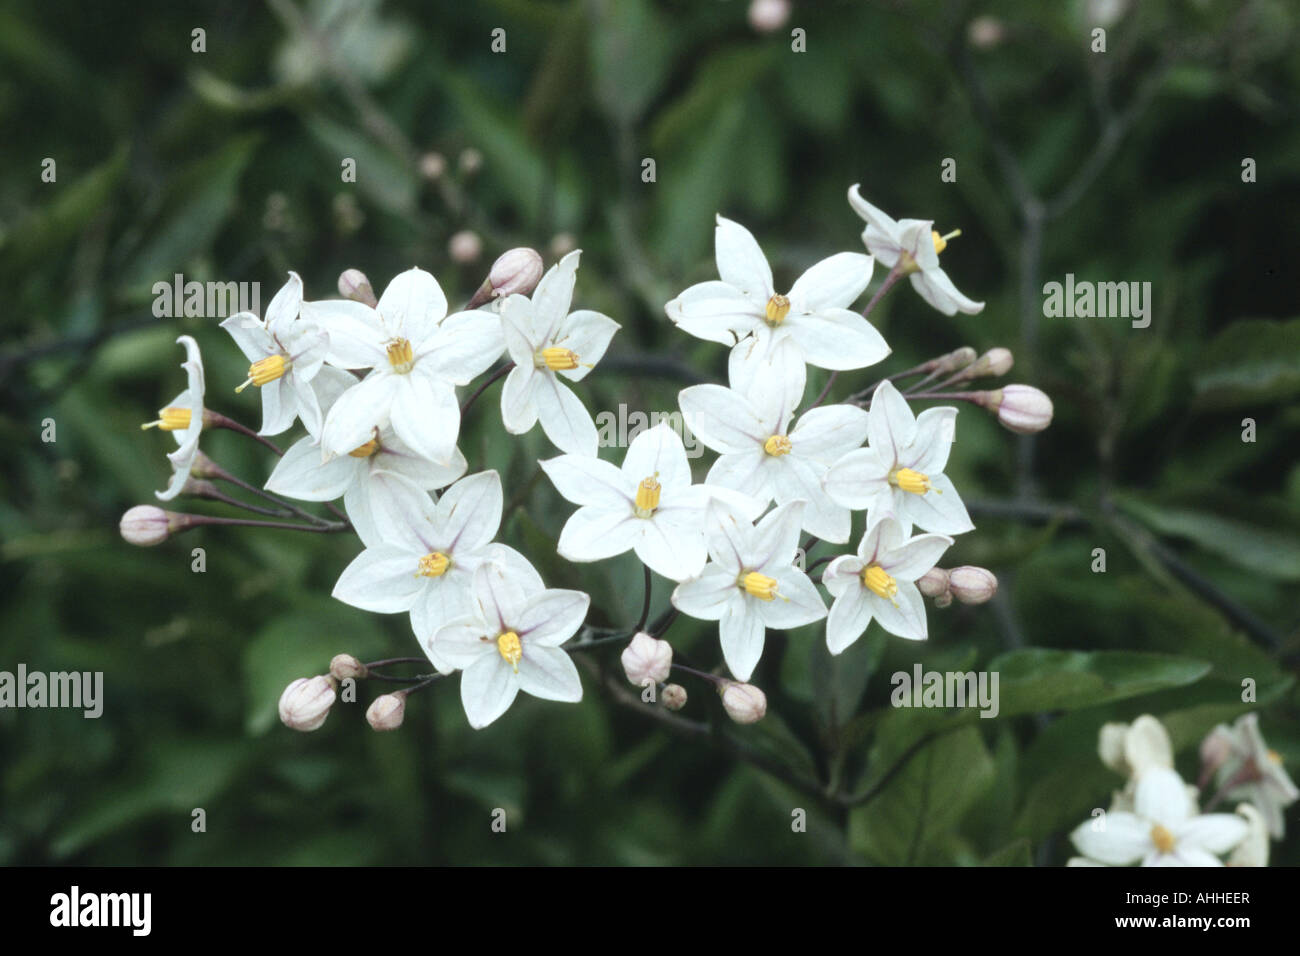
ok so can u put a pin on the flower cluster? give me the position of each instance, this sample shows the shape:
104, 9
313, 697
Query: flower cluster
374, 383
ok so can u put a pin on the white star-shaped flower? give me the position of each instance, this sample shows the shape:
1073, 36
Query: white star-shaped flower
546, 342
1261, 777
286, 352
917, 244
649, 505
417, 358
745, 311
879, 583
901, 470
428, 555
511, 642
761, 455
751, 583
183, 417
1163, 830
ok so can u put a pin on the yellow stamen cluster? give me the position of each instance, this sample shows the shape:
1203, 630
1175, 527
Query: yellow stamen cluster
941, 242
759, 585
366, 450
880, 583
1162, 838
777, 445
556, 359
267, 370
401, 356
433, 565
647, 496
913, 482
778, 307
172, 419
509, 647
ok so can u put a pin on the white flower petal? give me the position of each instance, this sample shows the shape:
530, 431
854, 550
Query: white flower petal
906, 617
564, 418
356, 338
833, 283
357, 413
671, 547
412, 305
487, 689
709, 596
741, 262
797, 602
553, 296
1161, 797
940, 509
518, 402
301, 475
723, 419
714, 311
588, 334
848, 619
465, 346
549, 673
827, 433
425, 415
915, 557
551, 617
857, 479
594, 534
657, 451
1125, 839
742, 634
589, 481
470, 512
380, 579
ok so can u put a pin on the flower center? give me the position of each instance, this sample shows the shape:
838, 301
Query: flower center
941, 242
910, 481
556, 359
778, 307
759, 585
433, 565
880, 583
510, 649
647, 496
401, 356
777, 445
366, 450
1162, 838
265, 371
172, 419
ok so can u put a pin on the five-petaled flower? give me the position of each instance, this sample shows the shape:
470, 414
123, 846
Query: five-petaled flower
183, 417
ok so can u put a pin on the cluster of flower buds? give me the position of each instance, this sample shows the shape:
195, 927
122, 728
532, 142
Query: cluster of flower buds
968, 584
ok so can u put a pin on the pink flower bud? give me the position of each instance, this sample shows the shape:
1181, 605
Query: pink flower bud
994, 362
516, 271
972, 585
465, 247
647, 660
306, 702
354, 285
1021, 408
344, 666
674, 696
744, 703
146, 525
766, 16
387, 711
933, 583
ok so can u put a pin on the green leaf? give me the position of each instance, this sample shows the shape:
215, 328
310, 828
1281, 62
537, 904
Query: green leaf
388, 181
1037, 679
631, 53
1263, 550
1251, 361
1015, 853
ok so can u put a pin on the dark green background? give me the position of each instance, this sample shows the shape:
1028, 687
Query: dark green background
225, 165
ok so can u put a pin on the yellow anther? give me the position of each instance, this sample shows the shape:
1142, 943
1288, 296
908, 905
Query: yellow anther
1275, 757
880, 582
556, 359
941, 242
777, 445
759, 585
401, 356
172, 419
366, 450
778, 307
647, 496
1162, 838
433, 565
267, 370
911, 481
508, 646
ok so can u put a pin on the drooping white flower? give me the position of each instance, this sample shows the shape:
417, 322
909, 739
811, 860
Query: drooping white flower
417, 358
917, 244
1253, 849
751, 583
879, 583
428, 555
761, 455
744, 310
511, 642
547, 343
648, 505
286, 351
1258, 772
183, 417
1164, 828
901, 470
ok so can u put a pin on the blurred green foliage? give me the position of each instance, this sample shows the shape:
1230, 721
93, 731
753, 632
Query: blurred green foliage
225, 164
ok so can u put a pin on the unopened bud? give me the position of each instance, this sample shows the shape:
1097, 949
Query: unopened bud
433, 165
306, 702
465, 247
647, 660
744, 703
972, 585
673, 696
1021, 408
471, 161
1110, 747
933, 583
994, 362
516, 272
354, 285
147, 525
943, 600
387, 711
954, 361
765, 16
344, 666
